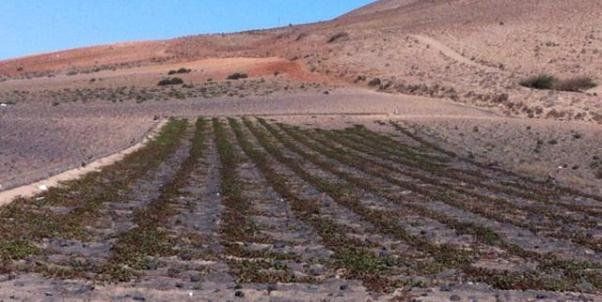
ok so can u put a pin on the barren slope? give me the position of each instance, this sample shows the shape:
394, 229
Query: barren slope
468, 51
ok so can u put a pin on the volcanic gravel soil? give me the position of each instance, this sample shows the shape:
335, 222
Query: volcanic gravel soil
253, 209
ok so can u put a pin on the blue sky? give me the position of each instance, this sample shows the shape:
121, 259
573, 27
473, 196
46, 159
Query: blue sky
35, 26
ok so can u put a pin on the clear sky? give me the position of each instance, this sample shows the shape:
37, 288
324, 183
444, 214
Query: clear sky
36, 26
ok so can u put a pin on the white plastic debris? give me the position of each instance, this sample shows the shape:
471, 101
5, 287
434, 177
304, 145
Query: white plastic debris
43, 188
190, 294
3, 105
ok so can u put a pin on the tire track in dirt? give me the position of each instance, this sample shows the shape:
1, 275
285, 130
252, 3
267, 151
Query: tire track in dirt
450, 53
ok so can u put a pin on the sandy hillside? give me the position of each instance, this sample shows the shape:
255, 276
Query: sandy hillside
469, 51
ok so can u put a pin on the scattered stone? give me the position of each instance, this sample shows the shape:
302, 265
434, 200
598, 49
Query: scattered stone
271, 288
195, 278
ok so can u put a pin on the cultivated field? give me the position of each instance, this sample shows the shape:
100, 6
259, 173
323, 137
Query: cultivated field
251, 208
409, 150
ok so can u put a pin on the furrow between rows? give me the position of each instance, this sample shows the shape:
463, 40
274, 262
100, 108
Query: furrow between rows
480, 232
542, 219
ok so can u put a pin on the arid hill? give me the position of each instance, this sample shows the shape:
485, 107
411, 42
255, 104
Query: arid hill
473, 52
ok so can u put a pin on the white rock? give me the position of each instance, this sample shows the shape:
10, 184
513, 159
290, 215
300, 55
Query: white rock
43, 187
3, 105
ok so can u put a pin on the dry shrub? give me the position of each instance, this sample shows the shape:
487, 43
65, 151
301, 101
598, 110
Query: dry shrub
170, 81
544, 81
541, 81
237, 75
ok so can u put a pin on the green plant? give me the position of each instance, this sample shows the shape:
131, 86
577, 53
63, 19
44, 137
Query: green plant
16, 249
360, 261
